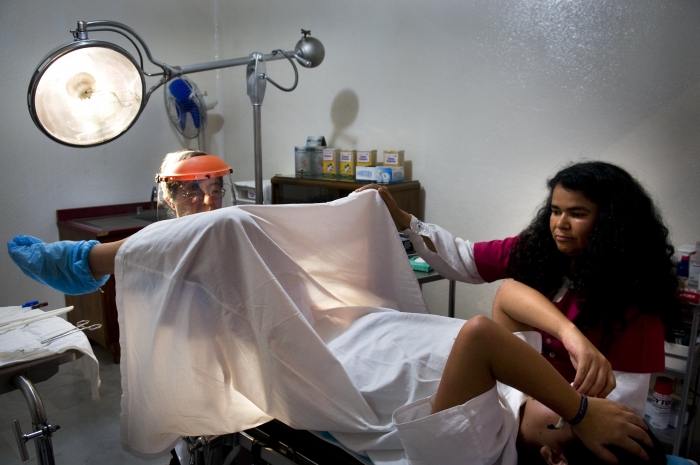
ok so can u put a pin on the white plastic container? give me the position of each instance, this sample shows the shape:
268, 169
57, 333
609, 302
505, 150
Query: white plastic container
661, 402
387, 174
302, 160
245, 192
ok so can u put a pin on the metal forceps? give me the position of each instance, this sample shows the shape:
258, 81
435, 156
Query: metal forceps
82, 325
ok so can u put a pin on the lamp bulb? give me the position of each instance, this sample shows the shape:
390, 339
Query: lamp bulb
81, 86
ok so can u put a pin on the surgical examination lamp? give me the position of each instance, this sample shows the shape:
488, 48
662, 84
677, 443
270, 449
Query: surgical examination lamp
89, 92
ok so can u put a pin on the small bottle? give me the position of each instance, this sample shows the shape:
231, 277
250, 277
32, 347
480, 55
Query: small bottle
661, 402
694, 269
683, 265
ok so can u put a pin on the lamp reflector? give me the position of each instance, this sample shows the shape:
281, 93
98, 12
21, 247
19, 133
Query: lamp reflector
86, 93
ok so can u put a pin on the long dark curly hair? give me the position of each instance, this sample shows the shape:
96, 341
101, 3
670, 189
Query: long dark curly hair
628, 260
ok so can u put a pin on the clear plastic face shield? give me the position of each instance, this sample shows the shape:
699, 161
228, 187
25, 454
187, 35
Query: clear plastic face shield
194, 185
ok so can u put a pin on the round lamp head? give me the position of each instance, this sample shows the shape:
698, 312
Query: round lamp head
311, 49
86, 93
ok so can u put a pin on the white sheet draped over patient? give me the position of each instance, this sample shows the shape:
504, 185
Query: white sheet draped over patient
232, 317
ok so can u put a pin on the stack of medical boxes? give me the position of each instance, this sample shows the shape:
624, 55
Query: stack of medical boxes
361, 165
389, 170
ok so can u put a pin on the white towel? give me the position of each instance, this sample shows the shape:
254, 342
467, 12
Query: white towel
24, 344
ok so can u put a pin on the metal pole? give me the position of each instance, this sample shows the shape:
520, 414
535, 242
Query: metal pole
258, 155
212, 65
255, 78
451, 305
690, 361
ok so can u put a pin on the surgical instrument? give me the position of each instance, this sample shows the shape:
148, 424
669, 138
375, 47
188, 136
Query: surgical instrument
82, 325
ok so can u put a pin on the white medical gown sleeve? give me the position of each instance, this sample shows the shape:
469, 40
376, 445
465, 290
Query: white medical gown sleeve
631, 390
483, 430
474, 432
454, 258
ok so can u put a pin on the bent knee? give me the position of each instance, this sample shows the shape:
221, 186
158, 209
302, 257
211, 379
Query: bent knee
478, 327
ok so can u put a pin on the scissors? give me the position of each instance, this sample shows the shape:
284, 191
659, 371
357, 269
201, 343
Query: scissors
82, 325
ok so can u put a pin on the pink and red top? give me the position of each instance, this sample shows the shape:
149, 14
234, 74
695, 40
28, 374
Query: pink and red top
637, 349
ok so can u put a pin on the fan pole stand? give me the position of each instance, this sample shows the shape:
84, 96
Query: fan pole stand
255, 77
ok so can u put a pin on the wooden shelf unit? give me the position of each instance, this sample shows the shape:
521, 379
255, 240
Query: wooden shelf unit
317, 189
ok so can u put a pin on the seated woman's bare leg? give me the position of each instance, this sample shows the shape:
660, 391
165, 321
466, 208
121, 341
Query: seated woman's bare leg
485, 352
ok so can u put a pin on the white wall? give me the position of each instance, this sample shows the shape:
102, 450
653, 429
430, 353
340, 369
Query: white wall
39, 176
488, 98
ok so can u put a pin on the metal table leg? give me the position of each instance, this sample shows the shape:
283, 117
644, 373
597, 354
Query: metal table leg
42, 429
690, 361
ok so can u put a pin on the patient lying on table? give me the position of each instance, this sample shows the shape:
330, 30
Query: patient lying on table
312, 315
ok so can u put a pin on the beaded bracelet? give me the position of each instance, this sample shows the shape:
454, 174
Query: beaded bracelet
577, 419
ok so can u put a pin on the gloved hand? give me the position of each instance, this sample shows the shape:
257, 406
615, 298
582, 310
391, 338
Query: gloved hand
62, 265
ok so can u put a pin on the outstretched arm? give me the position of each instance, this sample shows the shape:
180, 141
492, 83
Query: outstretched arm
518, 307
484, 352
72, 267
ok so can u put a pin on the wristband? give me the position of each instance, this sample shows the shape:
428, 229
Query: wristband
577, 419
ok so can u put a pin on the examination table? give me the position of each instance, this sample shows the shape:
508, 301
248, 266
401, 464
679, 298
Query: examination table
33, 344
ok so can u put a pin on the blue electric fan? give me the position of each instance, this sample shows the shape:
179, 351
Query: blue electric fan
186, 109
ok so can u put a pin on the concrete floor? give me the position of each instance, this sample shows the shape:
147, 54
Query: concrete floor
89, 431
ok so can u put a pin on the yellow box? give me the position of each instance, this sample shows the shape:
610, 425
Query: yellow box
393, 158
331, 161
348, 158
366, 158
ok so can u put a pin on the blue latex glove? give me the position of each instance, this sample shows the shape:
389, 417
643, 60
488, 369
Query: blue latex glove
62, 265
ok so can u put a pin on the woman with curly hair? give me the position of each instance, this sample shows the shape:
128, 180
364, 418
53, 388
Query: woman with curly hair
598, 249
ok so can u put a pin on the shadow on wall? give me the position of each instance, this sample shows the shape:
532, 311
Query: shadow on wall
343, 114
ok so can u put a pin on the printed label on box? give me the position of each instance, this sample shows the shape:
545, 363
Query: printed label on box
393, 157
686, 295
366, 173
367, 158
